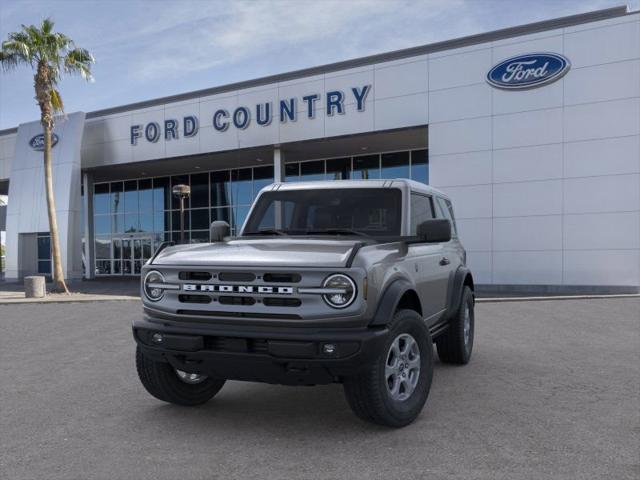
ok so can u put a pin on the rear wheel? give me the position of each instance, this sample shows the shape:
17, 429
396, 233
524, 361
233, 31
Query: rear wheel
168, 384
394, 388
456, 344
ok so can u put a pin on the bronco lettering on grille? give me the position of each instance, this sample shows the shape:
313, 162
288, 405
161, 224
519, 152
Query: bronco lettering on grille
193, 287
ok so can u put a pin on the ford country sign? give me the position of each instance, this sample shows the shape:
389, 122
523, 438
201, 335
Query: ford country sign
37, 142
528, 71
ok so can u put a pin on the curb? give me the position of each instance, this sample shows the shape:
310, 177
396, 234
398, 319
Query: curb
22, 301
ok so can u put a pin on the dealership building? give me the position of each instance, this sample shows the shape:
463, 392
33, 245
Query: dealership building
533, 131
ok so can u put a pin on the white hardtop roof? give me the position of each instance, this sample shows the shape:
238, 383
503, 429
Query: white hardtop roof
325, 185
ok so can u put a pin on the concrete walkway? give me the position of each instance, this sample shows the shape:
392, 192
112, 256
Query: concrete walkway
104, 289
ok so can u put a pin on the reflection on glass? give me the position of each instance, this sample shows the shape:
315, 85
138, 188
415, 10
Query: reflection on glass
161, 194
339, 169
101, 198
240, 215
241, 192
161, 222
200, 236
131, 203
395, 165
131, 223
292, 172
145, 195
200, 218
420, 166
366, 167
103, 247
44, 266
312, 170
117, 248
220, 192
146, 222
116, 197
44, 247
262, 176
200, 190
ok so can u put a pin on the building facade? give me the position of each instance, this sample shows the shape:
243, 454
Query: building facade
534, 132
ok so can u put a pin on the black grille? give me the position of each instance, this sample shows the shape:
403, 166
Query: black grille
281, 302
236, 276
236, 300
281, 277
256, 315
198, 276
194, 298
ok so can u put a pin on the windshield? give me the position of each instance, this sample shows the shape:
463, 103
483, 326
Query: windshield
374, 212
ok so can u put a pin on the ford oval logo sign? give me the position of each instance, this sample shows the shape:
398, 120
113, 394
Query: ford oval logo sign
37, 142
528, 71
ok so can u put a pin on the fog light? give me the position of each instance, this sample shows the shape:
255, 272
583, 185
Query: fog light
329, 348
157, 338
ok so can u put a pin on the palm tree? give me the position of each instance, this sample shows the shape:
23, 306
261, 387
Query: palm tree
50, 55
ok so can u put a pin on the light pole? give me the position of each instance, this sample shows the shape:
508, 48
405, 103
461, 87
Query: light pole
182, 192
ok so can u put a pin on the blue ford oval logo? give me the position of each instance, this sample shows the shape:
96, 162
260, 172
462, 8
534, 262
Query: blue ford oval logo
37, 142
528, 71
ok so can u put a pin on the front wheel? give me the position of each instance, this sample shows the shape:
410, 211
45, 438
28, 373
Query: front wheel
175, 386
394, 388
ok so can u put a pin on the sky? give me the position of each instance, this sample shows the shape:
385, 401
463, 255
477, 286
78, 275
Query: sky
150, 49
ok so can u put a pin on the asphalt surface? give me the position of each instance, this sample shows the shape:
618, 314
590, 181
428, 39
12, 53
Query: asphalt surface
552, 391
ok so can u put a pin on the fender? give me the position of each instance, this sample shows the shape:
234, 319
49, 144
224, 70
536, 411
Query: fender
389, 301
456, 286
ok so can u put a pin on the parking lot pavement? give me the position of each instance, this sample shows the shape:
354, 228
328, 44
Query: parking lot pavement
553, 391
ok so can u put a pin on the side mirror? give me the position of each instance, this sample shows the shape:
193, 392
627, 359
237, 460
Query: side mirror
437, 230
218, 230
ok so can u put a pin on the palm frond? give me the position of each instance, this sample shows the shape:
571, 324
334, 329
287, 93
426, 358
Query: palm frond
56, 101
79, 61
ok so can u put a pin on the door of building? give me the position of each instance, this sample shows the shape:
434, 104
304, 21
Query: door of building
130, 253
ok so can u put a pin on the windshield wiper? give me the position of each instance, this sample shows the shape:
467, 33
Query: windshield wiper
266, 231
336, 231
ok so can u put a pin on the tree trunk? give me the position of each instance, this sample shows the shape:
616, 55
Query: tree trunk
59, 284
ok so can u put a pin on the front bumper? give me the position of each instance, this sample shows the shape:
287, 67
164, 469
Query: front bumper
293, 356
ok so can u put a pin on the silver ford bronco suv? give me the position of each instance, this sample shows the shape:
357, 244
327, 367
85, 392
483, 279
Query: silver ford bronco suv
327, 282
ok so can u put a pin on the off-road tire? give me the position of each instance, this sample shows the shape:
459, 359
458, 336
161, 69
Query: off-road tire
367, 393
451, 345
161, 380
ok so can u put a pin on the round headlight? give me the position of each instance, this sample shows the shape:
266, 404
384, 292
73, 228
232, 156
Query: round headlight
345, 291
153, 293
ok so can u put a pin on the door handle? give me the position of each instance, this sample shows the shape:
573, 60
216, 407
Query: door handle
444, 261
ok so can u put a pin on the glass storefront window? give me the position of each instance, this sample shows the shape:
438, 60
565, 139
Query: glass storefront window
339, 168
220, 188
366, 167
241, 188
262, 176
101, 200
145, 195
395, 165
420, 166
292, 172
310, 171
131, 203
116, 197
144, 210
200, 190
161, 194
200, 218
102, 224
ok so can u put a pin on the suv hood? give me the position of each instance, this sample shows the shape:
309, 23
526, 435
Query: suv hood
277, 252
